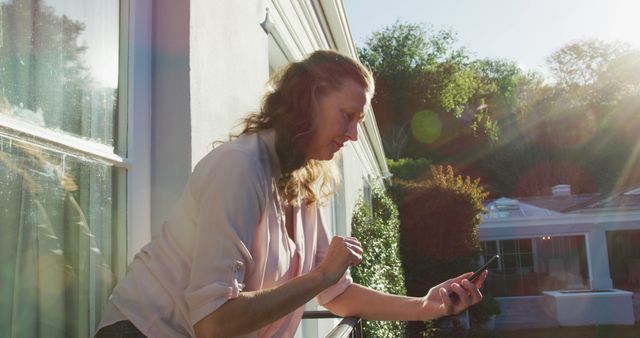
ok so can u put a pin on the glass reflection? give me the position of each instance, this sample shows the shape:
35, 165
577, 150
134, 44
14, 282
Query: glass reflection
59, 65
56, 248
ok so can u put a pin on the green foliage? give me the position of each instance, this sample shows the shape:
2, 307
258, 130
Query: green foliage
483, 311
521, 134
407, 47
408, 168
440, 218
518, 132
439, 229
419, 69
401, 57
377, 228
458, 86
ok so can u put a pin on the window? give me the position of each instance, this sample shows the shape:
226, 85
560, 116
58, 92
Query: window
62, 166
624, 258
528, 266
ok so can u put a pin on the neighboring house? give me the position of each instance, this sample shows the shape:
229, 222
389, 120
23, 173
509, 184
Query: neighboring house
562, 242
105, 108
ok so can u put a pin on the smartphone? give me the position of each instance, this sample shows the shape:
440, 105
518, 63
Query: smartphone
477, 273
454, 296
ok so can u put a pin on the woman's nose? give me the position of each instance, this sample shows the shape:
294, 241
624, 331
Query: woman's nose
352, 131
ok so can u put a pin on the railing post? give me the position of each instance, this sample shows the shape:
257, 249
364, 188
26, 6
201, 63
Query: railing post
348, 327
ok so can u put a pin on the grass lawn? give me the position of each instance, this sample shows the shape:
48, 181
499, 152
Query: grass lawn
602, 331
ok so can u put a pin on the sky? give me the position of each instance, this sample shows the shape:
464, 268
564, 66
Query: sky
524, 31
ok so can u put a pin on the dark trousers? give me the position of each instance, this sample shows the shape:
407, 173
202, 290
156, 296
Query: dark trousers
121, 329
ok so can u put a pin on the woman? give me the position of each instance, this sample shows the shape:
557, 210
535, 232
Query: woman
246, 248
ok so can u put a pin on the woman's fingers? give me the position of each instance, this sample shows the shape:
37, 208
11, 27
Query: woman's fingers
461, 277
474, 293
463, 299
480, 280
355, 248
352, 241
447, 303
350, 247
356, 251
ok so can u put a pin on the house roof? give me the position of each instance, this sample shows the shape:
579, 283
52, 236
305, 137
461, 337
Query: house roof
538, 206
617, 202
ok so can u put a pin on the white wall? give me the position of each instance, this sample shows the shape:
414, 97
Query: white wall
210, 65
229, 68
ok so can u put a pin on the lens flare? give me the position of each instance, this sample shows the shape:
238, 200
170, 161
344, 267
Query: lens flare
568, 129
538, 180
426, 126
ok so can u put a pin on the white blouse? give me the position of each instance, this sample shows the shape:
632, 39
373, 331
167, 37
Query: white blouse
227, 234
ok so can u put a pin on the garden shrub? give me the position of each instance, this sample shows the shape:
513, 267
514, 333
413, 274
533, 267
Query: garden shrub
408, 168
439, 229
377, 228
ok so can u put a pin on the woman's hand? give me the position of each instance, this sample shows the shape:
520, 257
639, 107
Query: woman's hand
439, 301
343, 252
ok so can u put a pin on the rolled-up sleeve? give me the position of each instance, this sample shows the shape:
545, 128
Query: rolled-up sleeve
345, 281
230, 195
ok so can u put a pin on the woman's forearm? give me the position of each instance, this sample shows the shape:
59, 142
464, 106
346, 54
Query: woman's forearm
360, 301
255, 309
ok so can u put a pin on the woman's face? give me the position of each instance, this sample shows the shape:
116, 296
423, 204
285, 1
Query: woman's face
337, 116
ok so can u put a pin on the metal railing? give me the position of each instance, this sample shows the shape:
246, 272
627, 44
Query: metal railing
348, 327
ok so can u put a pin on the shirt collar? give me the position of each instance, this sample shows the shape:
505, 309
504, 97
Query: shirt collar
268, 137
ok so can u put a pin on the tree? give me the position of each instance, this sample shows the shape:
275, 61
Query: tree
593, 73
580, 130
417, 69
582, 63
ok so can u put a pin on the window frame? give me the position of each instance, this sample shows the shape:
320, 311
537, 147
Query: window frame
135, 82
130, 154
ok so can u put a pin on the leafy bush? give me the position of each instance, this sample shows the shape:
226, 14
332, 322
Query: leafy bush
377, 228
408, 168
439, 229
483, 311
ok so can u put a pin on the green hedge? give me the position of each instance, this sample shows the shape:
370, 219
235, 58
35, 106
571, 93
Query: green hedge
377, 228
409, 168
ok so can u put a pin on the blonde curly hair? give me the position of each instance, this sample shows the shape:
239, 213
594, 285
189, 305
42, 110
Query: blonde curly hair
289, 109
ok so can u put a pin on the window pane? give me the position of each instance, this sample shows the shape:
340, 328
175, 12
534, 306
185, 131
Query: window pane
509, 261
526, 260
56, 248
508, 246
624, 259
59, 65
525, 245
490, 248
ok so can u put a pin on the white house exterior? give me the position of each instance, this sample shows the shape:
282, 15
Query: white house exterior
162, 80
563, 242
